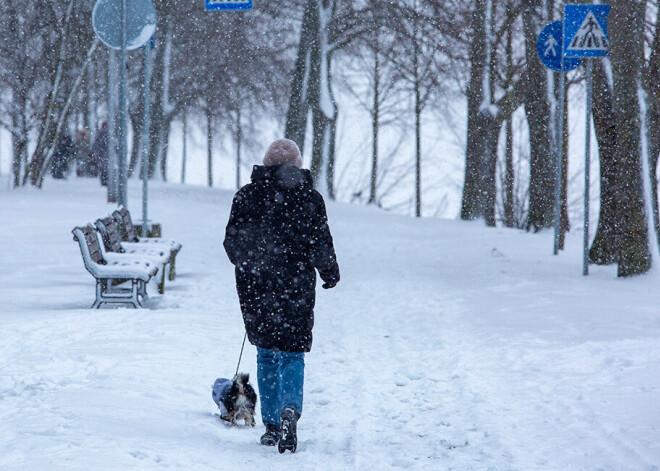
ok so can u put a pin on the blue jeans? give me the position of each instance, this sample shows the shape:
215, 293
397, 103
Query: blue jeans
280, 376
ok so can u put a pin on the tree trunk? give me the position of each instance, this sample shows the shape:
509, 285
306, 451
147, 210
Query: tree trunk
492, 125
604, 247
296, 119
136, 117
537, 109
164, 146
323, 151
652, 86
209, 144
157, 107
509, 178
311, 89
627, 26
472, 193
91, 121
239, 141
168, 112
653, 140
375, 117
19, 156
322, 102
418, 131
184, 153
19, 136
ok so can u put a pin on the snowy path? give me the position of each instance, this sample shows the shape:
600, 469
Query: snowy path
446, 346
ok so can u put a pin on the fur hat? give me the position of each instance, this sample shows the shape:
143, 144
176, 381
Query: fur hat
283, 152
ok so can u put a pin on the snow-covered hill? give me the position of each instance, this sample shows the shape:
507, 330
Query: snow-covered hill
446, 345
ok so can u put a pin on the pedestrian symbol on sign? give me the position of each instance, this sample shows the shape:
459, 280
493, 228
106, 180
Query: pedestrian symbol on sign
549, 48
550, 44
589, 36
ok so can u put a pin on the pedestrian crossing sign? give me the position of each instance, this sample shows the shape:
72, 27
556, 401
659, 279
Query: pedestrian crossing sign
585, 30
228, 4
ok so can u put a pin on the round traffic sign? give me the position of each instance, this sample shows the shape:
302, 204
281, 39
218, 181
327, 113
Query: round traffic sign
140, 22
549, 47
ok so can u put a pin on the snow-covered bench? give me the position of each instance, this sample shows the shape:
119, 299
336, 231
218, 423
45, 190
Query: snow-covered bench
107, 227
127, 232
108, 267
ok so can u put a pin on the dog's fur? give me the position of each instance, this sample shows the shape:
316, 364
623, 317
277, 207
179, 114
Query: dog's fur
240, 401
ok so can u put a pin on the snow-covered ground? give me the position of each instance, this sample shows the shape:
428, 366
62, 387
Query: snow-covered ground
446, 345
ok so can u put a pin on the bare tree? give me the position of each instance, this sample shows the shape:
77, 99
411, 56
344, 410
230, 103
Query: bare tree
328, 25
486, 112
66, 70
370, 77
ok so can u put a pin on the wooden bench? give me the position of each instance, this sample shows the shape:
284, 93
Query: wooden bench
128, 234
107, 227
108, 267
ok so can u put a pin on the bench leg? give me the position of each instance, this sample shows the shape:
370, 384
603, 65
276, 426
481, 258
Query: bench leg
161, 282
99, 295
173, 267
142, 289
135, 290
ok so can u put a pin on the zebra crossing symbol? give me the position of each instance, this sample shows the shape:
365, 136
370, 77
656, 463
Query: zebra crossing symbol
585, 30
590, 36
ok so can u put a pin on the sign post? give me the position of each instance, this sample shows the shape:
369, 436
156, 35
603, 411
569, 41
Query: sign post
585, 35
146, 124
549, 47
124, 26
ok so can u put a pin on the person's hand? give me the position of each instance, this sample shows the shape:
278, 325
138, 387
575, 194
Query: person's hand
329, 284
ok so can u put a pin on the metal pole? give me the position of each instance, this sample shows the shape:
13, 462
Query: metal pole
145, 138
112, 126
587, 165
122, 110
559, 155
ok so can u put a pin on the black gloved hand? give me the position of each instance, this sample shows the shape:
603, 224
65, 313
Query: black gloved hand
329, 284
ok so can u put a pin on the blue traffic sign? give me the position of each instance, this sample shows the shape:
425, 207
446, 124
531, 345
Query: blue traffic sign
548, 46
228, 4
585, 30
140, 22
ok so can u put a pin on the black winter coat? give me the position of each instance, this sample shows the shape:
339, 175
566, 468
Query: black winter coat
276, 237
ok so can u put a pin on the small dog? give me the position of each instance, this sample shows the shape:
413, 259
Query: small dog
236, 399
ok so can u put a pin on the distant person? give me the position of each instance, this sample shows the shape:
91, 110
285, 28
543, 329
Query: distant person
62, 157
99, 152
277, 237
81, 152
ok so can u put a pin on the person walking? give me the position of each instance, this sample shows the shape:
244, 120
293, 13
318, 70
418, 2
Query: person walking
62, 157
277, 238
81, 152
99, 153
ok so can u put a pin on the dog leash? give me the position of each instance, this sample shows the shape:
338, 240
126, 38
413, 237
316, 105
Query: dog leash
240, 356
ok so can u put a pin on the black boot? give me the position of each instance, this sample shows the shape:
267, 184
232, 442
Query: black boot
289, 440
272, 435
